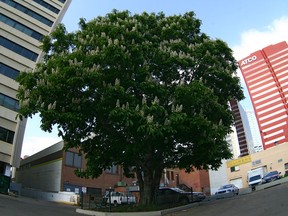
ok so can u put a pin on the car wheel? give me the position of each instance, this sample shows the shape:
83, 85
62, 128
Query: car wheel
115, 203
184, 200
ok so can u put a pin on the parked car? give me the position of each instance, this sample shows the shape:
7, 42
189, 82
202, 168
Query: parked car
229, 188
271, 176
198, 196
166, 195
118, 198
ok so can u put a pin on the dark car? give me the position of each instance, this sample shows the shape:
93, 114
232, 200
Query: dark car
271, 176
198, 196
166, 195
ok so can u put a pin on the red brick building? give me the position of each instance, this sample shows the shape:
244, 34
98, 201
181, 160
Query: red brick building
53, 170
265, 74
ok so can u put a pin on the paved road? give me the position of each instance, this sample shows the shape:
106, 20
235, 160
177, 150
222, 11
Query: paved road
268, 202
22, 206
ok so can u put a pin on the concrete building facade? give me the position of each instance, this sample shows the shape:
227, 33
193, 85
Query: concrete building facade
272, 159
23, 23
265, 75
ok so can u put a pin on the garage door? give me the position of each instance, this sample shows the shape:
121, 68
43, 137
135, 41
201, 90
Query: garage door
237, 182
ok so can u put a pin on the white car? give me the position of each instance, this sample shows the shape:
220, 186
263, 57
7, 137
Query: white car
229, 188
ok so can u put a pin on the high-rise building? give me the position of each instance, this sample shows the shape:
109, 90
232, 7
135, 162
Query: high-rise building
266, 76
251, 129
23, 23
254, 136
239, 128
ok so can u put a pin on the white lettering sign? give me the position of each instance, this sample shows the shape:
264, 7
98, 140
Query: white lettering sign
248, 60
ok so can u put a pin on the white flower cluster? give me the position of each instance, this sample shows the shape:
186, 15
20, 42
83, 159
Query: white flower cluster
150, 118
177, 109
52, 106
40, 82
75, 62
76, 100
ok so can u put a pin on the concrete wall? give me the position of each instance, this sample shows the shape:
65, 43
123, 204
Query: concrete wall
62, 197
45, 176
218, 178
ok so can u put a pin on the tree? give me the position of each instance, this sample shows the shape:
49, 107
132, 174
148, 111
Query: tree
144, 91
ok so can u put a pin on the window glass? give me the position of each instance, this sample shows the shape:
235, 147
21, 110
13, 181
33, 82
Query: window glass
10, 137
28, 12
73, 159
18, 49
8, 71
48, 6
26, 30
8, 102
6, 135
69, 158
112, 170
3, 134
77, 160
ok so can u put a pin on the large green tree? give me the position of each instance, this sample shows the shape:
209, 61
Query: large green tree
144, 91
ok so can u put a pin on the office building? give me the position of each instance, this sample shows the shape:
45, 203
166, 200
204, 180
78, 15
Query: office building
239, 128
251, 128
23, 23
266, 76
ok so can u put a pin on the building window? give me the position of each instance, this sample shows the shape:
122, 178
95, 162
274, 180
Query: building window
9, 103
234, 169
20, 27
112, 170
48, 6
18, 49
256, 162
6, 135
29, 12
172, 175
73, 159
62, 1
8, 71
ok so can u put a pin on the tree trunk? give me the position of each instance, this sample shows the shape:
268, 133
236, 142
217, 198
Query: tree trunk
149, 181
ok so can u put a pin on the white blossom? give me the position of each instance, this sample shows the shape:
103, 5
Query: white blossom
150, 118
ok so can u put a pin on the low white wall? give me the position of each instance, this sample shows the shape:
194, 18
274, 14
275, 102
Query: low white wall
62, 196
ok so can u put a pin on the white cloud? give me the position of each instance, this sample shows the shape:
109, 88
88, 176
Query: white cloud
34, 144
253, 40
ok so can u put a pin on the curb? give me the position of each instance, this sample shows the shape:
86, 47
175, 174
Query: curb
152, 213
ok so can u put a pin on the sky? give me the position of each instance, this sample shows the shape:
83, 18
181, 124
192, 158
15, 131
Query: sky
246, 26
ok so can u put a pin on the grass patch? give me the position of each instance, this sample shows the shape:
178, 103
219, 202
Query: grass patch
136, 208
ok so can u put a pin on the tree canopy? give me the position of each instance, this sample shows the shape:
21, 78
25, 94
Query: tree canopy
144, 91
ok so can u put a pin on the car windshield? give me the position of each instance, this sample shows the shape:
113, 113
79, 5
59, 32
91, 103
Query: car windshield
226, 186
178, 190
270, 174
253, 178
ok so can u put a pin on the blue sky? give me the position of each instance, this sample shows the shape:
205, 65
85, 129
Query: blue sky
246, 26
